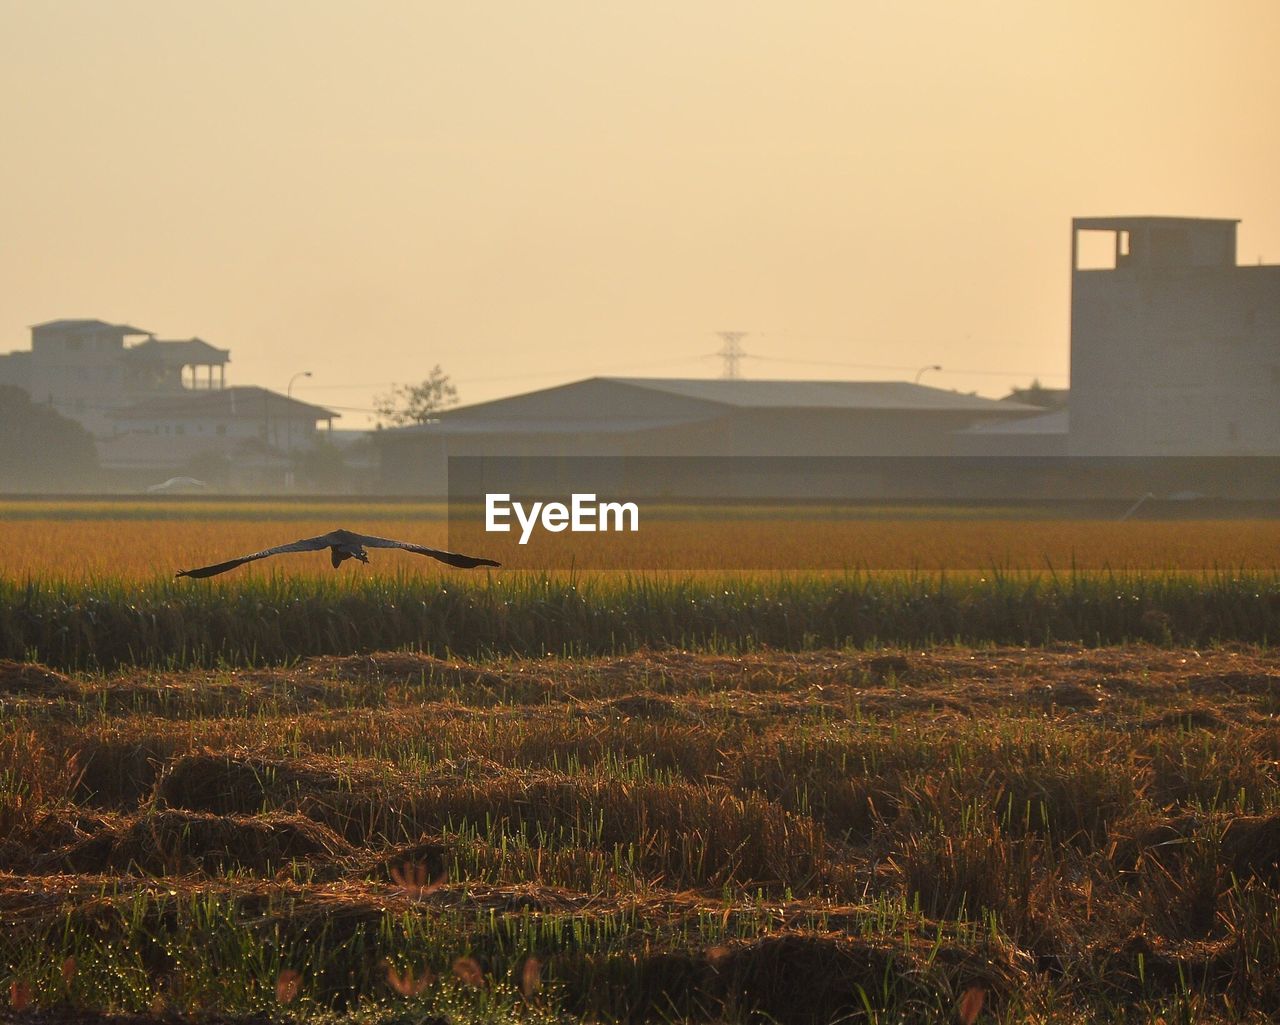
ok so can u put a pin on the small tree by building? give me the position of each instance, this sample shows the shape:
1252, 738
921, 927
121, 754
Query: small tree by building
416, 403
1036, 394
43, 450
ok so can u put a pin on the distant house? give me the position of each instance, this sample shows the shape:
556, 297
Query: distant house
156, 406
84, 369
632, 417
247, 425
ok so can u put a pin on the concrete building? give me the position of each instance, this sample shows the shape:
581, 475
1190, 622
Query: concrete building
246, 426
1175, 347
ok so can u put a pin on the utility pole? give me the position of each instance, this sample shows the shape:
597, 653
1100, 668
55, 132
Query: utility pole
731, 353
289, 413
288, 451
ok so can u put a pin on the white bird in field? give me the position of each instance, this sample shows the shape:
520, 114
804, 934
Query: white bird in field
342, 545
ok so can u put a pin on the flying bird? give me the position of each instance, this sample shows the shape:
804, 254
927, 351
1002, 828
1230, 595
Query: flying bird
342, 545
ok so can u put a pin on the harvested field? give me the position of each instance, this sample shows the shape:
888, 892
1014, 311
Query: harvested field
789, 836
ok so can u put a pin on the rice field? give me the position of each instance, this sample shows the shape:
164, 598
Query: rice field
141, 541
1039, 788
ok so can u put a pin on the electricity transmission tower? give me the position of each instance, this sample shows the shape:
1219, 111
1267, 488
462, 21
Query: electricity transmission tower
731, 352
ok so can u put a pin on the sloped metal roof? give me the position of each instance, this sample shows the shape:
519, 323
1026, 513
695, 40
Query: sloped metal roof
546, 425
623, 404
1056, 421
877, 395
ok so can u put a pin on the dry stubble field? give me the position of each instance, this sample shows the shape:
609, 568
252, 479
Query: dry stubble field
754, 825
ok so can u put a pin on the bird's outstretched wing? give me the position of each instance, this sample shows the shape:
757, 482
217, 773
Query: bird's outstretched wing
307, 544
449, 558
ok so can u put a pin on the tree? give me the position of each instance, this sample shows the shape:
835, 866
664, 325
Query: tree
1036, 394
416, 403
43, 450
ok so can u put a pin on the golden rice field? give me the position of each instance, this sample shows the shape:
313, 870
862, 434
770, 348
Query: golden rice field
142, 541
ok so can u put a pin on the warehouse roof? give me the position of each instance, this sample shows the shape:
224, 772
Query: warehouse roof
1055, 421
626, 404
900, 395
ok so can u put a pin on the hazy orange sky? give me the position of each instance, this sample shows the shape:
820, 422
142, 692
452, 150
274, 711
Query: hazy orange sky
533, 193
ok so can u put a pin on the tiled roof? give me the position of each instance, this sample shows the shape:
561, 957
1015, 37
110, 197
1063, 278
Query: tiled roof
189, 350
88, 325
249, 402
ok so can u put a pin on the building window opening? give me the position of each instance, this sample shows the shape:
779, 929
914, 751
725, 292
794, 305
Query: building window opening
1101, 249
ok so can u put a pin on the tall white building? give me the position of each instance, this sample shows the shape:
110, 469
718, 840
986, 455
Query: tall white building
1175, 347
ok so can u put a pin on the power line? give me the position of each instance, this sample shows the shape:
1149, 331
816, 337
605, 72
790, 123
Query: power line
565, 372
887, 366
341, 387
616, 369
876, 366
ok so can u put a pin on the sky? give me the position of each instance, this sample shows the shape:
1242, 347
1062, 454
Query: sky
529, 194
